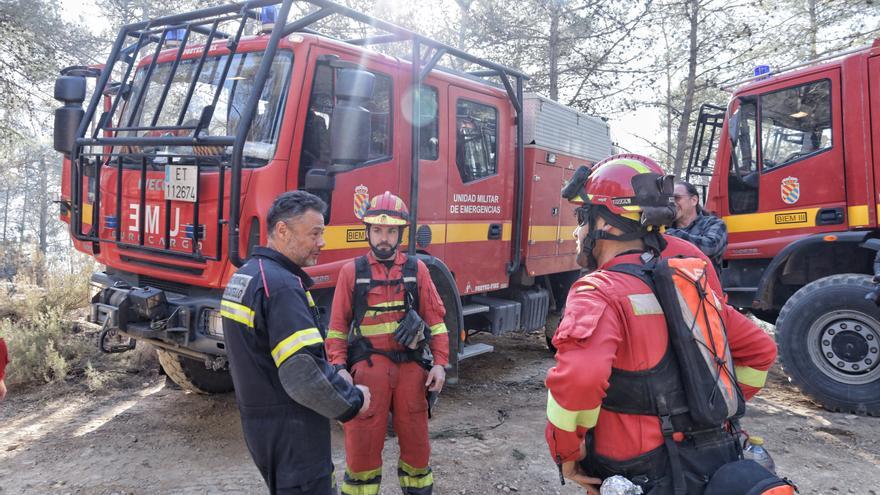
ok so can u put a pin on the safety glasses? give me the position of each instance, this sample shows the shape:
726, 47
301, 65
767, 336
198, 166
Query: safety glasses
583, 215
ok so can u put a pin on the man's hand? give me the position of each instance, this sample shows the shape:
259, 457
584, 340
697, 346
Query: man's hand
345, 375
572, 470
2, 389
366, 404
436, 378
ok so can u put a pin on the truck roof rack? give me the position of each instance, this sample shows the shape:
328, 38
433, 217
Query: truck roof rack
824, 58
206, 22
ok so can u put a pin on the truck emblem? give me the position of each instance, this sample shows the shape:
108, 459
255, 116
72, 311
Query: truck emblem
791, 190
361, 201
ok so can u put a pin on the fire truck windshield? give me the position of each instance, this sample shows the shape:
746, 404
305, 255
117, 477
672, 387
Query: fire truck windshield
178, 110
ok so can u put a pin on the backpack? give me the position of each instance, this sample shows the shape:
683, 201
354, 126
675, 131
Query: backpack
747, 477
697, 336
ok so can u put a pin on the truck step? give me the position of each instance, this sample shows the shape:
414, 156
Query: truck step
472, 350
473, 309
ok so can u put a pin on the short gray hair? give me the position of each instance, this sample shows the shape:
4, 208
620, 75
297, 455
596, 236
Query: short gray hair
291, 204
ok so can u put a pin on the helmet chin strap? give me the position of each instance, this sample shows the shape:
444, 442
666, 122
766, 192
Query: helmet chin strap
632, 230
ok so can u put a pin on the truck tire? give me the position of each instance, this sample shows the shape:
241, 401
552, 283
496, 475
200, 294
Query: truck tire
192, 375
829, 343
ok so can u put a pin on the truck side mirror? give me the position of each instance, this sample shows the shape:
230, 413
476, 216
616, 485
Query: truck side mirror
350, 123
70, 90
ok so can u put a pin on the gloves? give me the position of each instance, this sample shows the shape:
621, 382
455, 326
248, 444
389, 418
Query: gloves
411, 330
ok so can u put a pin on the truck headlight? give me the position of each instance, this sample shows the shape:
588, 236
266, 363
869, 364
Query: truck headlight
212, 323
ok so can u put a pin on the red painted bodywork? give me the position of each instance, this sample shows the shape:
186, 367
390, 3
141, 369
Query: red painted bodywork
479, 264
843, 176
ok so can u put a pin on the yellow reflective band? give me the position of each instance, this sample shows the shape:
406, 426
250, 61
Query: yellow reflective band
363, 475
645, 304
798, 218
379, 328
543, 233
295, 342
374, 312
311, 301
371, 489
412, 471
750, 376
567, 420
416, 481
237, 312
857, 216
336, 334
635, 165
438, 329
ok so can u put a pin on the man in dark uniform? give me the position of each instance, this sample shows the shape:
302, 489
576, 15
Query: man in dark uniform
285, 388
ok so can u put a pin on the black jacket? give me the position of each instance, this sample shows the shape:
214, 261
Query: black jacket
269, 318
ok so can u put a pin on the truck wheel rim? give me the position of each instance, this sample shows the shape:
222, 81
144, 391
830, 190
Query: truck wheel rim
845, 346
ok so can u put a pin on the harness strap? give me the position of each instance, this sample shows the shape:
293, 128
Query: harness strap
678, 483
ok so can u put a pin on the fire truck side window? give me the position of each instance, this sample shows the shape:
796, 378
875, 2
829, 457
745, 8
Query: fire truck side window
316, 136
476, 140
429, 145
743, 180
795, 123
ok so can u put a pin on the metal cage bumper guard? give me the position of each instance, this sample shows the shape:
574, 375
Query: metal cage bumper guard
90, 152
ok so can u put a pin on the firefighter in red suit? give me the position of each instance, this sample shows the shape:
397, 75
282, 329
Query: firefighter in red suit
613, 326
391, 286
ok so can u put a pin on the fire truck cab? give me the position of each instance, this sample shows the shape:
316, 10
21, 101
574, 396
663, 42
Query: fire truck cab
796, 179
203, 125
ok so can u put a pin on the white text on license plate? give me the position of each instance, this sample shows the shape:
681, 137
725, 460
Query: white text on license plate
181, 183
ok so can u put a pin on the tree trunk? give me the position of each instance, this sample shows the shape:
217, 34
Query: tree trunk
5, 212
681, 138
24, 207
553, 50
44, 205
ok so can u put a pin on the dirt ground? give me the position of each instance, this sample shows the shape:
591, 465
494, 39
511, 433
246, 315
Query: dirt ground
137, 436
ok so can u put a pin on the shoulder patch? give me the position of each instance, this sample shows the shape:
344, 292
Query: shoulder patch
236, 287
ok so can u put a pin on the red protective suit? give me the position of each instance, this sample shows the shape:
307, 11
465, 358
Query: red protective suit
397, 387
611, 318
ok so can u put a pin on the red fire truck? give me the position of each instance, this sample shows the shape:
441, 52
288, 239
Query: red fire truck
796, 178
201, 126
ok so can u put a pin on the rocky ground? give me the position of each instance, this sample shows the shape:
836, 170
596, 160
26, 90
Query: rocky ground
134, 435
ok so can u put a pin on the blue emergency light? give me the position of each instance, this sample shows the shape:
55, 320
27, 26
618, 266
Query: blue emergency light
268, 16
175, 35
761, 70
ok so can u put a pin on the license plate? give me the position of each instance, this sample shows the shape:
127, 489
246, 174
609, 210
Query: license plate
181, 183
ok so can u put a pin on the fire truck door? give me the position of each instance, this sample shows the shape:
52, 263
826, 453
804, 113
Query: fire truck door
480, 190
351, 189
786, 172
874, 85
